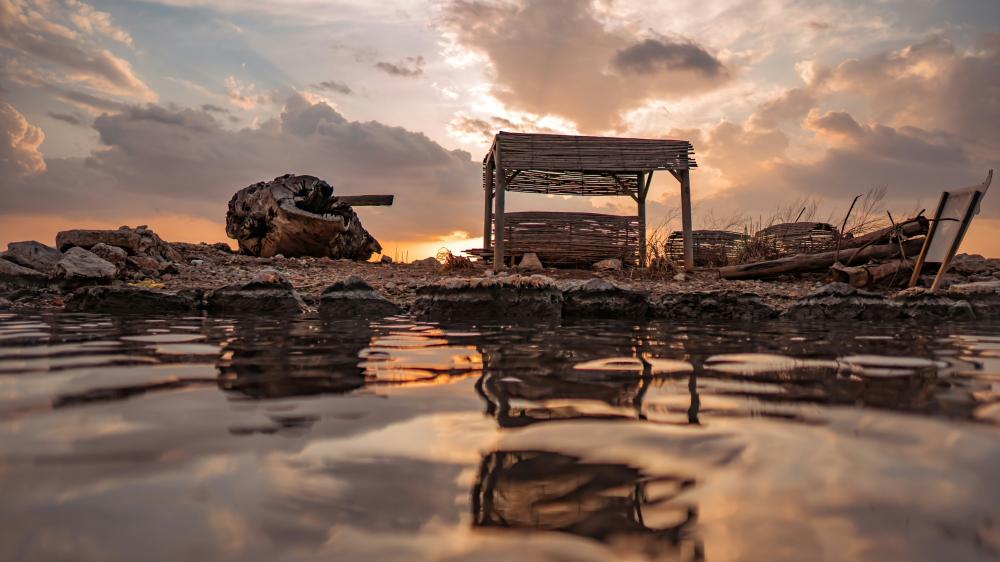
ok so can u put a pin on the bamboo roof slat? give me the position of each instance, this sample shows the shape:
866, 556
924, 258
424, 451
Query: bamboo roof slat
585, 165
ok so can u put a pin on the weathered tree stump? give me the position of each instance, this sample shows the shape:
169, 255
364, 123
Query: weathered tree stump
297, 216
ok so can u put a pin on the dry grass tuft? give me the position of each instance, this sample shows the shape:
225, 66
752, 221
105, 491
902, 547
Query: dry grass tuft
451, 262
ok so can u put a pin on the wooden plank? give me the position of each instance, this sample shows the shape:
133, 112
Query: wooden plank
366, 200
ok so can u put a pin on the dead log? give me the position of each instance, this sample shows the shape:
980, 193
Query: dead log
297, 216
909, 228
872, 275
803, 263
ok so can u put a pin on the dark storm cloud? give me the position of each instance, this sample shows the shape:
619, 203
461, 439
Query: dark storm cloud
67, 118
334, 86
408, 68
663, 55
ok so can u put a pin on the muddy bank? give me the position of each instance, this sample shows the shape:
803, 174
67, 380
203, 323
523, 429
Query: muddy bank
209, 278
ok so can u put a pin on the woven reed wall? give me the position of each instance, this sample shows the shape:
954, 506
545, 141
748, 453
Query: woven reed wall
570, 239
711, 247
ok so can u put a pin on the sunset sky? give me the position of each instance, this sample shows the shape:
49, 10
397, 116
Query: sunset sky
156, 112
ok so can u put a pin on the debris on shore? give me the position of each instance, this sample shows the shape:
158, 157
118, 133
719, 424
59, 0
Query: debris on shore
209, 278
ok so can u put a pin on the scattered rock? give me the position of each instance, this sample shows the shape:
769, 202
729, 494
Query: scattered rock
530, 262
113, 254
977, 288
138, 241
196, 263
385, 259
354, 298
20, 276
269, 291
222, 247
135, 300
33, 255
80, 267
503, 299
597, 298
429, 262
611, 264
297, 216
145, 266
680, 277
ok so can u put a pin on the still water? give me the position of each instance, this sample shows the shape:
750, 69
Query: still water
191, 438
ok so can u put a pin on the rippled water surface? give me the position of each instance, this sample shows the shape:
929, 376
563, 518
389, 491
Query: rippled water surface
191, 438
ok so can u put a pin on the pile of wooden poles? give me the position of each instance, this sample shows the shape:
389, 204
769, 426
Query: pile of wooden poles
849, 262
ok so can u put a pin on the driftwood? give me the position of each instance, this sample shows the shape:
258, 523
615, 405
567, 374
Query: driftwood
867, 276
297, 216
817, 262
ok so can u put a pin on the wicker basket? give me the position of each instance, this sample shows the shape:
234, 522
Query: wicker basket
711, 247
791, 238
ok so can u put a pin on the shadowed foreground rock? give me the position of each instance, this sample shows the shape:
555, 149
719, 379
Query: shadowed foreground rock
502, 299
354, 298
19, 276
297, 216
33, 255
267, 292
598, 298
132, 300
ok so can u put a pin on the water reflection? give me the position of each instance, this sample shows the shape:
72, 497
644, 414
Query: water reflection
300, 438
613, 503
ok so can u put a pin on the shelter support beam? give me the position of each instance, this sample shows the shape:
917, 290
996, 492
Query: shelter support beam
488, 208
685, 180
498, 200
641, 199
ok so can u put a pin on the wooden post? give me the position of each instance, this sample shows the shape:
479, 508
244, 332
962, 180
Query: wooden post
641, 188
686, 219
488, 210
501, 187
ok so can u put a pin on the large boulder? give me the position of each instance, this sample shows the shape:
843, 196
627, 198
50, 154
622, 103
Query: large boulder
138, 241
297, 216
33, 255
80, 267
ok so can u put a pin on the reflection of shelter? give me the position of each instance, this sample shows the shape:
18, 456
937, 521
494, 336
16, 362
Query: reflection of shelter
555, 492
585, 166
565, 392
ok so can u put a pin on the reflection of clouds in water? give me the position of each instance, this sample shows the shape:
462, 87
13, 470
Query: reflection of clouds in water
280, 466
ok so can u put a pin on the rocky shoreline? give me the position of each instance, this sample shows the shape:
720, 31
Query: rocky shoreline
202, 278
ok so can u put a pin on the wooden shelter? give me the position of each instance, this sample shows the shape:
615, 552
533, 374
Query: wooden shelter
580, 165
